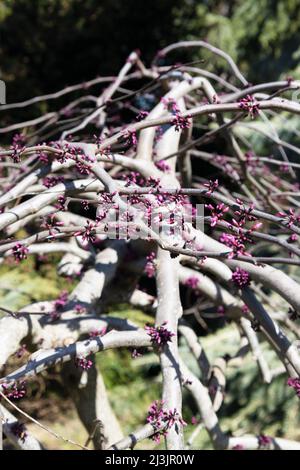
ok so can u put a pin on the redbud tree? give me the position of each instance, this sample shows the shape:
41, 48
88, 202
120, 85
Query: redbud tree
153, 173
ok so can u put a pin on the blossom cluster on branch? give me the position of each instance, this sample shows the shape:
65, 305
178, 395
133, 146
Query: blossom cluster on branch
160, 198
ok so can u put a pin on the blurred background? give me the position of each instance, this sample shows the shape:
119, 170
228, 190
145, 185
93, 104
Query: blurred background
48, 44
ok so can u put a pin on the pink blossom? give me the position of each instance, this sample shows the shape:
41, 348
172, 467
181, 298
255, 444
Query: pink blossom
61, 301
291, 218
162, 420
181, 122
217, 212
130, 138
160, 335
170, 105
250, 105
150, 265
264, 441
192, 282
15, 391
292, 238
51, 181
241, 278
61, 201
211, 186
50, 223
83, 363
95, 333
142, 115
295, 384
163, 166
19, 252
88, 233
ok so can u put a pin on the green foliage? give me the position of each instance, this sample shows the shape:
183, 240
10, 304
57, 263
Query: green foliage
126, 311
43, 42
251, 406
24, 283
263, 37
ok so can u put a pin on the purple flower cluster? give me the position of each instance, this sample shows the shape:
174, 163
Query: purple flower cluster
227, 168
19, 140
135, 353
153, 182
284, 168
241, 235
292, 238
60, 204
170, 105
295, 384
78, 307
95, 333
217, 213
192, 282
51, 181
134, 178
162, 420
142, 115
130, 138
162, 166
236, 242
63, 151
107, 198
156, 418
50, 223
211, 186
99, 140
19, 252
174, 417
59, 304
264, 441
83, 168
160, 335
83, 362
88, 233
61, 300
18, 145
181, 122
16, 155
244, 213
150, 265
241, 278
250, 105
14, 391
291, 218
245, 309
43, 157
85, 205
